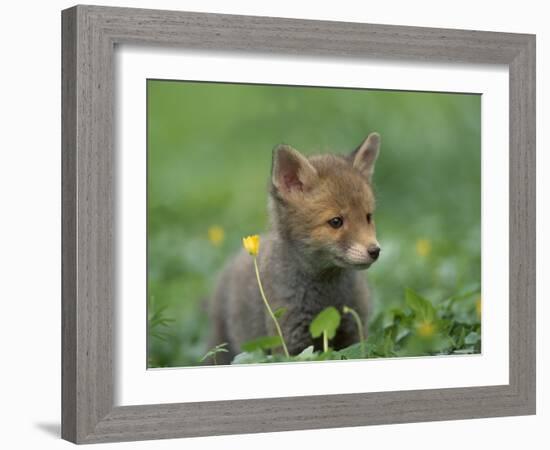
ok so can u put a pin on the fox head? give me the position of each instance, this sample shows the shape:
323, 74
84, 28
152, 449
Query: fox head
324, 204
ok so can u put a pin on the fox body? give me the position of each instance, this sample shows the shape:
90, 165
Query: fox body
322, 234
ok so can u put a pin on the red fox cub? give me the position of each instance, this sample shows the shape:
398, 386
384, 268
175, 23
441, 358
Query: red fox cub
322, 234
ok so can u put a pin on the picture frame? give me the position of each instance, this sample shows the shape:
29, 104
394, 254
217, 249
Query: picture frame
89, 37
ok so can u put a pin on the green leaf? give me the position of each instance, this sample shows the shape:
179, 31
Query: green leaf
422, 307
214, 351
250, 358
471, 290
328, 320
308, 351
279, 312
307, 354
262, 343
402, 335
460, 338
464, 351
354, 351
472, 338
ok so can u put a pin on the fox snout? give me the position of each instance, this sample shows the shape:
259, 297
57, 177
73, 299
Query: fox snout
373, 251
361, 256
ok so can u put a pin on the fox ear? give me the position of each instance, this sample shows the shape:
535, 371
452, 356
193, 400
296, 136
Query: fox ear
290, 170
365, 155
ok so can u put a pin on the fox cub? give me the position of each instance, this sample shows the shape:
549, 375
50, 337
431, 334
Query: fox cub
322, 234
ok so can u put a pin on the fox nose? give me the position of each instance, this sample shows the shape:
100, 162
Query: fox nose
374, 251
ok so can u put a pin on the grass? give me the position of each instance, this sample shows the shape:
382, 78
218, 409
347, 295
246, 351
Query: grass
209, 158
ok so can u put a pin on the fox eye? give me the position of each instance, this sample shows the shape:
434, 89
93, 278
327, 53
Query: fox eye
369, 218
336, 222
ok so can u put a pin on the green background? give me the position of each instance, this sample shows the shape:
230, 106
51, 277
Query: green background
209, 158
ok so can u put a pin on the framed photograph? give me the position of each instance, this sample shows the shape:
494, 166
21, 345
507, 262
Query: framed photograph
277, 224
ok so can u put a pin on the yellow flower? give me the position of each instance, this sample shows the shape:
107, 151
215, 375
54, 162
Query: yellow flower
478, 307
252, 244
423, 247
426, 329
216, 235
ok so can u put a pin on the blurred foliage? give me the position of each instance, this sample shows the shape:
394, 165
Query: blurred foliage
450, 327
209, 158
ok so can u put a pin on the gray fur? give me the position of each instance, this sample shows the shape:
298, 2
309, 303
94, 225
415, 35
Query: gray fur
238, 312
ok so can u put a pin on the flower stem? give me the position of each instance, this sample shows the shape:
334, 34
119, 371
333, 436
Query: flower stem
359, 324
269, 308
325, 341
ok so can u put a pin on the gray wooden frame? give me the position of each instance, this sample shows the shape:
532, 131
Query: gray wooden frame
89, 34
